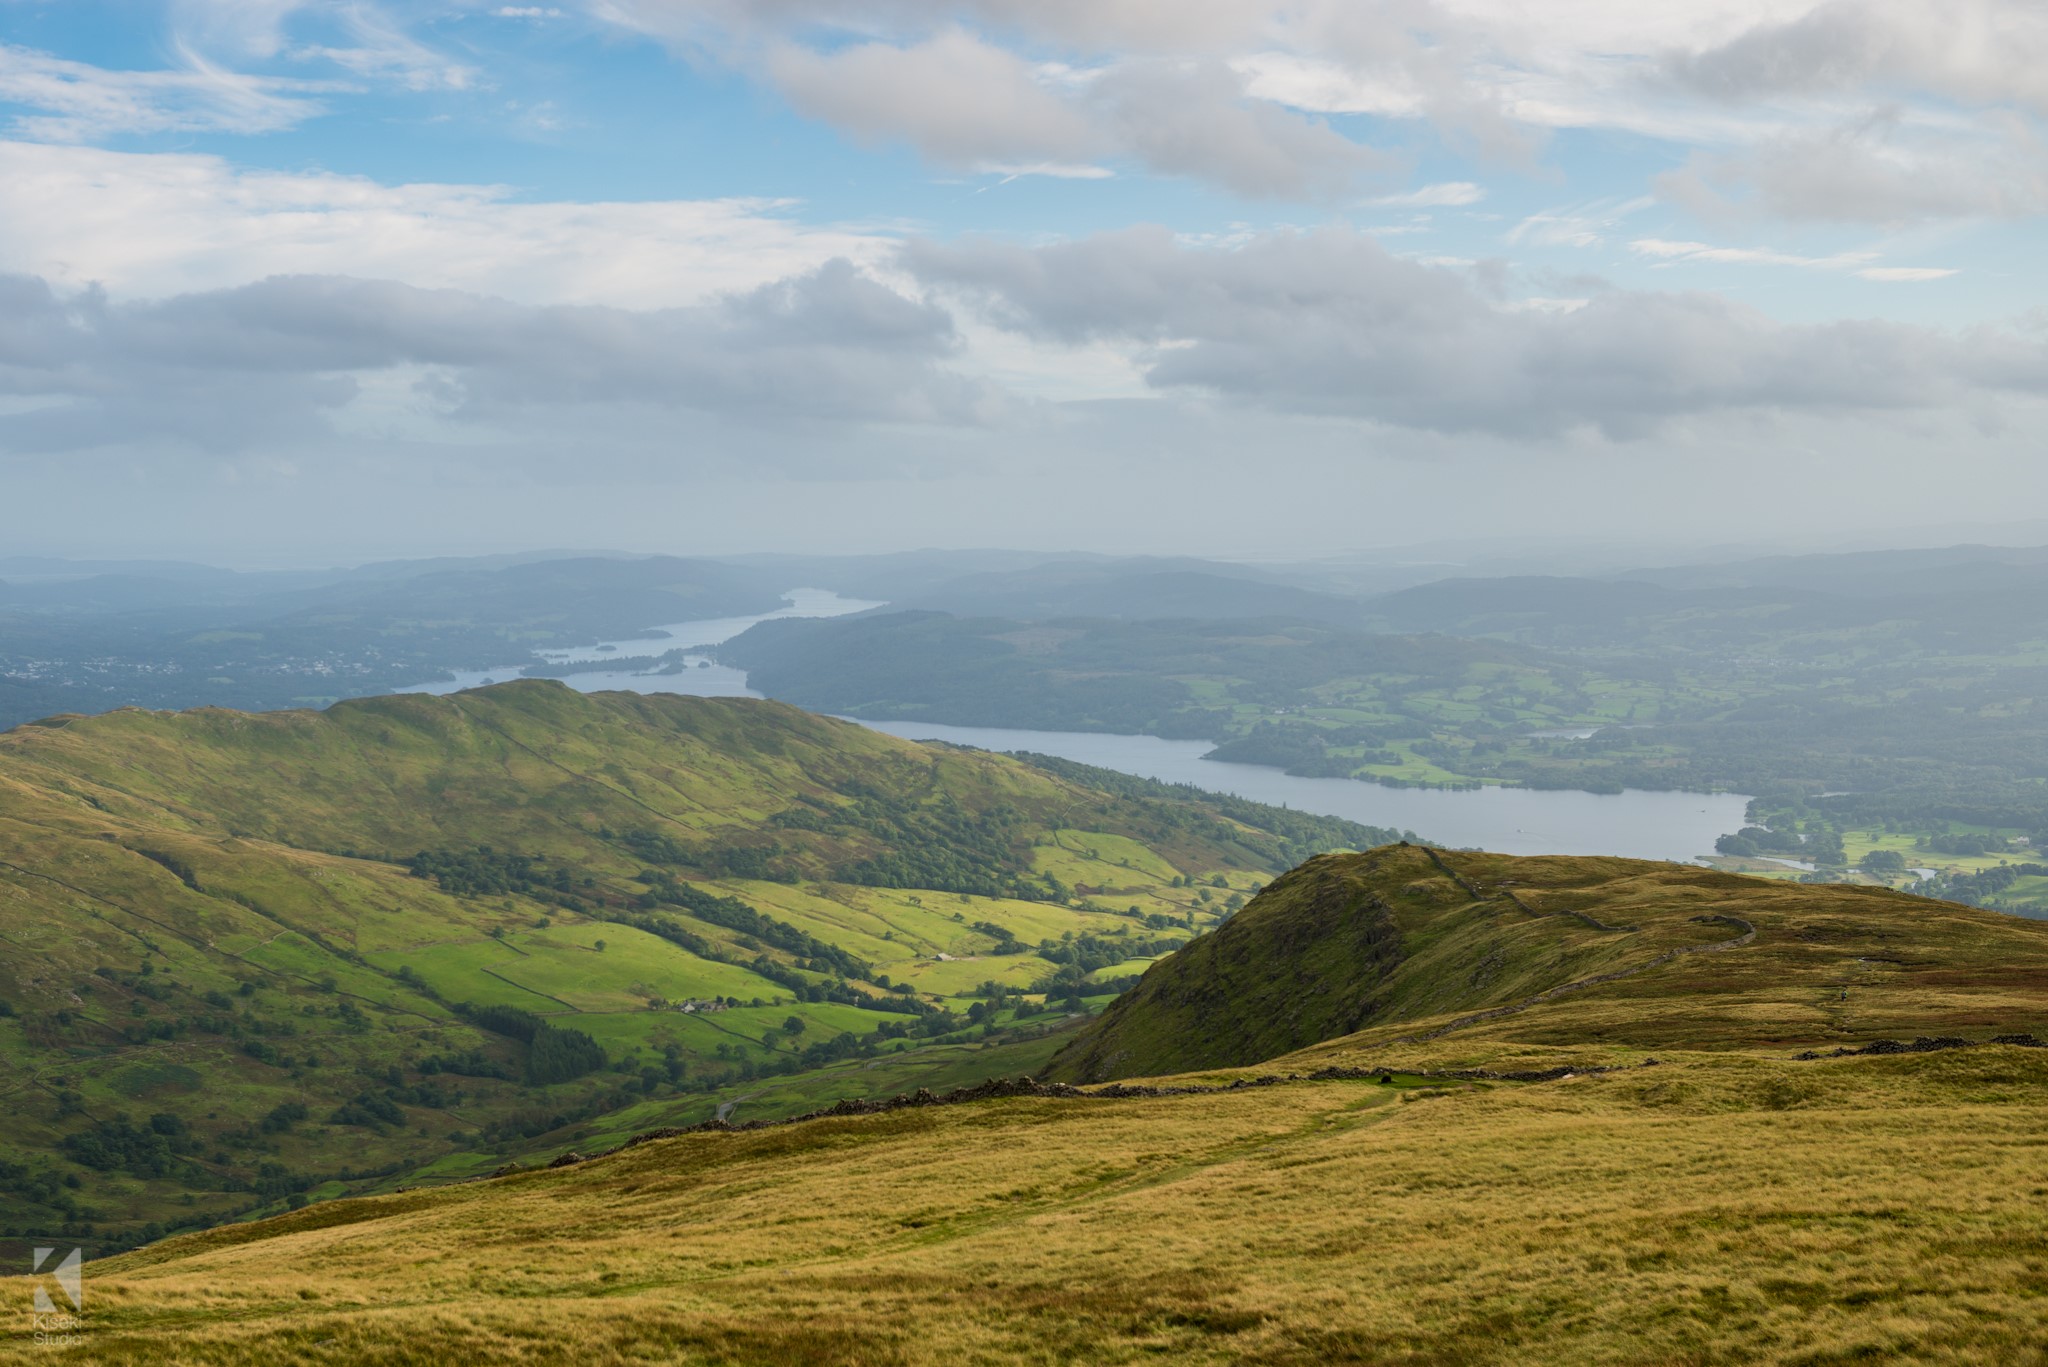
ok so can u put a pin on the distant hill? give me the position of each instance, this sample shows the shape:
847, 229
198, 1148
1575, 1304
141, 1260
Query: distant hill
1134, 590
1075, 674
1868, 574
248, 959
1406, 943
1478, 607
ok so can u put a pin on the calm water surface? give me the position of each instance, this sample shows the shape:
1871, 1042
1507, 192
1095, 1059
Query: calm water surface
1635, 823
701, 678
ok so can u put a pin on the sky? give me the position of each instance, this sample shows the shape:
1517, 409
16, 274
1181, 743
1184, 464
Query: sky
293, 283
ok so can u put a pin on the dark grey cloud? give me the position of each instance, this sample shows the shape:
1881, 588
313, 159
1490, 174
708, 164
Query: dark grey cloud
1332, 323
268, 361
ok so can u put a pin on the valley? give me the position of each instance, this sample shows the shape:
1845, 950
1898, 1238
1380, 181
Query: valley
233, 985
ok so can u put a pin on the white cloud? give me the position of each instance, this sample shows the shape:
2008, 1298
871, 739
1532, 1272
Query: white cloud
208, 88
1585, 225
1858, 263
1664, 250
157, 224
1758, 87
1455, 194
1875, 169
965, 102
380, 48
76, 102
1905, 274
1053, 170
955, 98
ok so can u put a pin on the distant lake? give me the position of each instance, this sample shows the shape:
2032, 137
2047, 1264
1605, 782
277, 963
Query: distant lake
1638, 824
700, 678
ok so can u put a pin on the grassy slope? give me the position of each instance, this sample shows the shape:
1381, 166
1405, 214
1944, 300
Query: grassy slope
1401, 942
286, 928
1718, 1209
1730, 1204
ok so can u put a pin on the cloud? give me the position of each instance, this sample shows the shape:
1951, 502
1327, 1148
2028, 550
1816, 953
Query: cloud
1456, 194
963, 102
1662, 249
1857, 262
1759, 89
1878, 169
1053, 170
958, 100
72, 215
1905, 274
1978, 52
208, 88
274, 361
76, 102
1331, 323
1196, 122
1584, 225
379, 48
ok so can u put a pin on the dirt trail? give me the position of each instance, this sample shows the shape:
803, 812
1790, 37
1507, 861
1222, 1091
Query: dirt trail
725, 1107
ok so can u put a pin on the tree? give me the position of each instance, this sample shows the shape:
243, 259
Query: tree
1883, 863
794, 1025
1825, 848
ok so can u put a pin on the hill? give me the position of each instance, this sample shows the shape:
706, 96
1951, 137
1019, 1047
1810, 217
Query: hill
1505, 1184
1405, 944
1132, 590
1177, 678
252, 960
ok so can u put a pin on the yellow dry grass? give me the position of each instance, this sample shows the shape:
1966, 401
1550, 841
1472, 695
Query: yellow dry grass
1712, 1209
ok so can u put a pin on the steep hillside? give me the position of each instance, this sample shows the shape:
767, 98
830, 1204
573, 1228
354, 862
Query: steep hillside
1406, 944
249, 960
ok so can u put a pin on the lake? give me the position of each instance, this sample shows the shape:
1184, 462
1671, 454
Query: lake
701, 678
1635, 823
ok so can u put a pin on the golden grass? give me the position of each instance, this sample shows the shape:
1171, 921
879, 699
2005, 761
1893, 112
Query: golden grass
1713, 1209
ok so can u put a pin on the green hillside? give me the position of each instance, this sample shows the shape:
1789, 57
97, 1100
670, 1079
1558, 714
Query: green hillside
1405, 943
252, 960
1600, 1111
